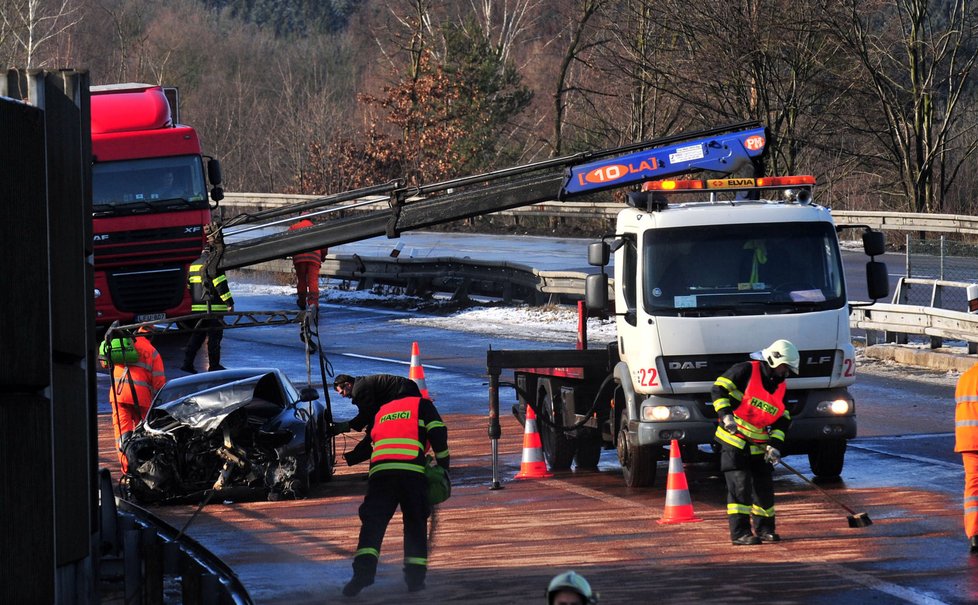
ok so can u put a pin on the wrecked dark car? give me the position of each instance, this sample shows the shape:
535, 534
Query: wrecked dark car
228, 430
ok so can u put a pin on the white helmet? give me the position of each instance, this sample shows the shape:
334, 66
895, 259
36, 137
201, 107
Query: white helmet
780, 352
571, 580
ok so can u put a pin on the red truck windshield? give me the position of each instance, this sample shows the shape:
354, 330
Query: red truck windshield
148, 185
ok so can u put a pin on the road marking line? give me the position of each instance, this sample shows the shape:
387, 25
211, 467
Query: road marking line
870, 581
400, 361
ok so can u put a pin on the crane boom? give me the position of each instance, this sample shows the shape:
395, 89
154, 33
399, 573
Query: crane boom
725, 149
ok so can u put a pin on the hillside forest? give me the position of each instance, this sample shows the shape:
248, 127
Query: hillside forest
877, 98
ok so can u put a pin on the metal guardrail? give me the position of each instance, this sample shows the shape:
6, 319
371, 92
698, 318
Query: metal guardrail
140, 553
894, 322
459, 277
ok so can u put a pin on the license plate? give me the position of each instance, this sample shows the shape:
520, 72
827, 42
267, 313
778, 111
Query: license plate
150, 317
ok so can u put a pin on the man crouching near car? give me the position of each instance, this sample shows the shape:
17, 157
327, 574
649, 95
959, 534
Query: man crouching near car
368, 393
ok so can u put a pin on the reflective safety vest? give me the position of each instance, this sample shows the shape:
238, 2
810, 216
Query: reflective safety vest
966, 412
758, 407
396, 437
134, 385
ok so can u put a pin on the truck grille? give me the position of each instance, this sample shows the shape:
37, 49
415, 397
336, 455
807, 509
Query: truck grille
149, 290
165, 244
707, 368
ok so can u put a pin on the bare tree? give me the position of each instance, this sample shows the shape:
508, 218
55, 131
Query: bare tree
504, 23
917, 57
32, 24
582, 38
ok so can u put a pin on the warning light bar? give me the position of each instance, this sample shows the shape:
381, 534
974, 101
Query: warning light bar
768, 182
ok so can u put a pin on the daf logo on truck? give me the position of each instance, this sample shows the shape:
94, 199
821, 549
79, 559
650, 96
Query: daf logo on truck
101, 237
688, 365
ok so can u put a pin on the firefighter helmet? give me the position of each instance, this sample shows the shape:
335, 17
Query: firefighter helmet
573, 581
782, 352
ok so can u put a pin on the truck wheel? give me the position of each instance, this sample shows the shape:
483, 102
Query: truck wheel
589, 448
827, 458
558, 449
638, 463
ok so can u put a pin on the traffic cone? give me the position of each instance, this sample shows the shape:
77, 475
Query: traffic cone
533, 466
416, 373
679, 506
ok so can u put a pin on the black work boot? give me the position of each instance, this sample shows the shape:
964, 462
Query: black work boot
745, 540
974, 545
765, 531
355, 585
414, 576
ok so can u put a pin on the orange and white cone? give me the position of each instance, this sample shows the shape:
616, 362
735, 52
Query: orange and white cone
416, 373
533, 465
679, 506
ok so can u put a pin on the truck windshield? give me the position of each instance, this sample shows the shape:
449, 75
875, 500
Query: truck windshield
148, 185
752, 269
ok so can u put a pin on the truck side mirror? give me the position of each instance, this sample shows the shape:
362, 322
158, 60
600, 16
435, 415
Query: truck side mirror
874, 243
215, 178
877, 280
596, 291
598, 254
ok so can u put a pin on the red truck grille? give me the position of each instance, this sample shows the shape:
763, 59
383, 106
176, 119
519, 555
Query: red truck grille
148, 289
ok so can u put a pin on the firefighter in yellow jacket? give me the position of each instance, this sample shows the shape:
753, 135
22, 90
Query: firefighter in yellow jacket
749, 401
966, 442
401, 432
209, 293
134, 385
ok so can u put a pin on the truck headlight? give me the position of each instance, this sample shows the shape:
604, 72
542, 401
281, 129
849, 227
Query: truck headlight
661, 413
837, 407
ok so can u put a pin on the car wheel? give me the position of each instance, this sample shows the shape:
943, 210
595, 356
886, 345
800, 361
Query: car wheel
324, 455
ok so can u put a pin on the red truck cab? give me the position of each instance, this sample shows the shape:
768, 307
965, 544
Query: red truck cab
150, 203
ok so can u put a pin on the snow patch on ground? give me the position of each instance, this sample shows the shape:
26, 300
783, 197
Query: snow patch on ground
548, 323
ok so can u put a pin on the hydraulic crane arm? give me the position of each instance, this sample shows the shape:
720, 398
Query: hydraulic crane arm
725, 149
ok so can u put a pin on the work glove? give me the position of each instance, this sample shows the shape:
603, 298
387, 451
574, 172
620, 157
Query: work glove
339, 427
728, 423
772, 455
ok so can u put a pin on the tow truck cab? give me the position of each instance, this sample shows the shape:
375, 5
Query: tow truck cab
701, 284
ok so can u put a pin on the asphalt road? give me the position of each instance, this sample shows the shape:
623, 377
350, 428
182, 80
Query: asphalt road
901, 470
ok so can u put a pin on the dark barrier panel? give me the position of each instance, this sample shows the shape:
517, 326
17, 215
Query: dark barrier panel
27, 569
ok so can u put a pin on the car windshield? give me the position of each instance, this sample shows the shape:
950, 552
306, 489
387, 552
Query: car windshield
743, 269
149, 185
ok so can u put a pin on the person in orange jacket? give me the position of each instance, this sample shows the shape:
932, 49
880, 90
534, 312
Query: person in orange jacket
307, 266
134, 385
966, 442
